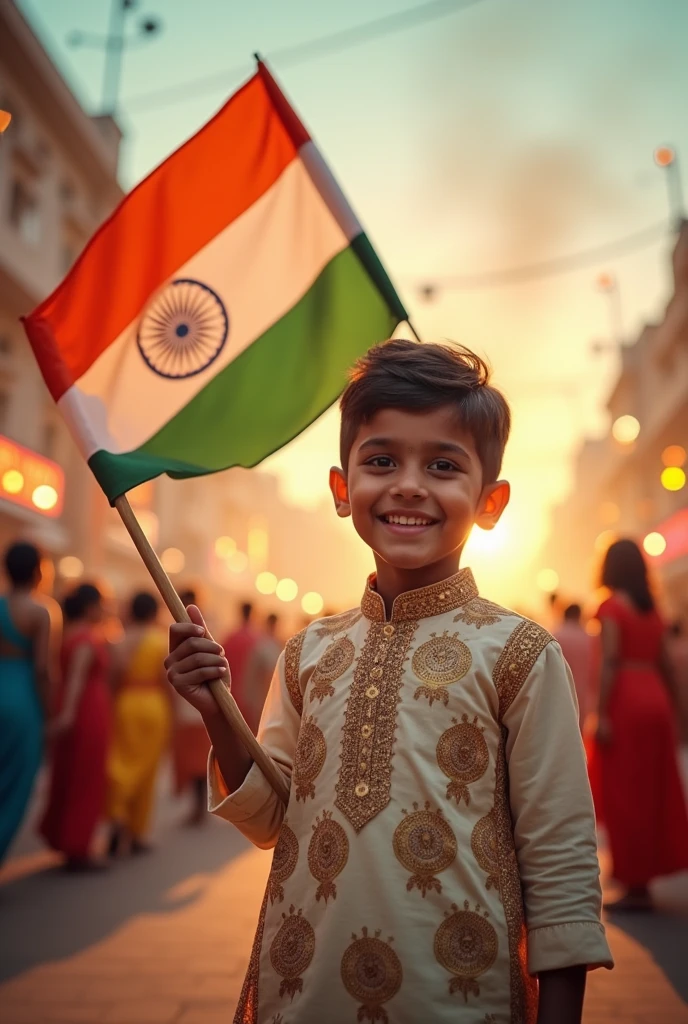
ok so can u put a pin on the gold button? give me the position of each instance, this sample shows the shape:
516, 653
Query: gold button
388, 630
376, 673
363, 766
361, 789
366, 731
372, 692
513, 666
442, 596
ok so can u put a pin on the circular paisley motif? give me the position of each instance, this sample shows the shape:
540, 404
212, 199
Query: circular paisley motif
309, 758
183, 330
424, 842
334, 662
466, 945
286, 854
463, 756
292, 950
484, 847
441, 661
371, 970
328, 852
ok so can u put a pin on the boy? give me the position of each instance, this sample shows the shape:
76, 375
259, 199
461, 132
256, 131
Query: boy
438, 852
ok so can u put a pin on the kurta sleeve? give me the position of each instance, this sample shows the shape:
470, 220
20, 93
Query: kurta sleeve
254, 807
553, 818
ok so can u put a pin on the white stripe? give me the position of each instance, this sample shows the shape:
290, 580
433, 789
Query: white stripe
260, 266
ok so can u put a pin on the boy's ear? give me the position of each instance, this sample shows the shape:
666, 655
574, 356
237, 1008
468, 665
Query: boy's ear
340, 492
493, 501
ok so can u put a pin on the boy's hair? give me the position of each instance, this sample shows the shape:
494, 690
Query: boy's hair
400, 374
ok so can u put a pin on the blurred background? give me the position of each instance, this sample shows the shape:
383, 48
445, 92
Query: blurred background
519, 167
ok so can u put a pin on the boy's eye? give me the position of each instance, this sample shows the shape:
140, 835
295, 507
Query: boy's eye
443, 465
380, 462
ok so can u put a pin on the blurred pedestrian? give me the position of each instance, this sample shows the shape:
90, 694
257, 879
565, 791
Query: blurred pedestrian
141, 725
258, 672
25, 685
238, 647
578, 650
678, 655
191, 746
643, 803
82, 728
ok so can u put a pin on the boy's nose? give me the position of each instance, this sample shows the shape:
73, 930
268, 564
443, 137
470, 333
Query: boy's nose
408, 485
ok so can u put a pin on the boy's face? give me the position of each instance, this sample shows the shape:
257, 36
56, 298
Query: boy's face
414, 489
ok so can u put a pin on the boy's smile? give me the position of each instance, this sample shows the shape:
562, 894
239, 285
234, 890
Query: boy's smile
414, 488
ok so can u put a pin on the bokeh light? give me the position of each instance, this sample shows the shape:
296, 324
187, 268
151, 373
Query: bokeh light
673, 478
286, 590
625, 429
44, 497
238, 562
70, 567
548, 580
312, 603
266, 583
664, 156
674, 455
225, 547
173, 560
654, 544
609, 512
12, 481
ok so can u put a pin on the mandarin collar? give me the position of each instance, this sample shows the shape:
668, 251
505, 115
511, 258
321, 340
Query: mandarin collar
423, 603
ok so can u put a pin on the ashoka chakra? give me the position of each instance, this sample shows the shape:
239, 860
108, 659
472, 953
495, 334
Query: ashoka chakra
183, 330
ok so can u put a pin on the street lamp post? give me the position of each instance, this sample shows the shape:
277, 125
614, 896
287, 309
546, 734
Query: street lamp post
667, 158
114, 44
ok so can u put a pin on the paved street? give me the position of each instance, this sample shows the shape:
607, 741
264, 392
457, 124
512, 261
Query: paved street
165, 939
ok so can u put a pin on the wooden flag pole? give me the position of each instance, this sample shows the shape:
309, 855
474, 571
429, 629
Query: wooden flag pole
222, 695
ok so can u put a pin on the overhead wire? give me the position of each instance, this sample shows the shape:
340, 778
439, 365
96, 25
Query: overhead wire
299, 53
546, 268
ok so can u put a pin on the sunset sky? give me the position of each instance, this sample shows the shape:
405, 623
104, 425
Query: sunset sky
503, 134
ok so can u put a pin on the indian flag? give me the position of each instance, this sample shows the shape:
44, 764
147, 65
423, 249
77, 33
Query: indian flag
214, 315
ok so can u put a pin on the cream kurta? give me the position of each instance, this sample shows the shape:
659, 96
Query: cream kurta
439, 846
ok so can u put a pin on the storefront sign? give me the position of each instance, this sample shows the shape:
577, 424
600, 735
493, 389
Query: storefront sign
30, 480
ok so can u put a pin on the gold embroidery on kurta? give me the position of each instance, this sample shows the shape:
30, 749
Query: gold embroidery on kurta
480, 612
438, 663
338, 623
309, 758
423, 603
292, 662
463, 756
484, 847
372, 974
523, 986
328, 852
284, 861
333, 663
292, 950
365, 772
247, 1007
425, 844
466, 945
516, 661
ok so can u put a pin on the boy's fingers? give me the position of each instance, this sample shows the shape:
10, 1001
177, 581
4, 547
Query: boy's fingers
198, 660
197, 618
192, 645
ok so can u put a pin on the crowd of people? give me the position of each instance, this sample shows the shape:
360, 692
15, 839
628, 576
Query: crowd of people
103, 716
100, 713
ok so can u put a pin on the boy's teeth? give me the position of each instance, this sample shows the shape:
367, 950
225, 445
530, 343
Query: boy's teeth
407, 520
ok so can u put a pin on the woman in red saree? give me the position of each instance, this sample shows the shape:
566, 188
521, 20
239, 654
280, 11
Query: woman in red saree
78, 784
642, 800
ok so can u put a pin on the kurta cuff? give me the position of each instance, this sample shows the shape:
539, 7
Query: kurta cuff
244, 803
568, 945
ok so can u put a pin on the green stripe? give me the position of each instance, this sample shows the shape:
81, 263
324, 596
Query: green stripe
269, 393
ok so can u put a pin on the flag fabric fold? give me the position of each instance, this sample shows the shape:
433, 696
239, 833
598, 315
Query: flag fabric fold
214, 315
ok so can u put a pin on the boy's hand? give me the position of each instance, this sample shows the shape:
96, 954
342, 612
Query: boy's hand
194, 660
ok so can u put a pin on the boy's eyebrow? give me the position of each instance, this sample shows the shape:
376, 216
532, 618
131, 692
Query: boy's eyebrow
388, 442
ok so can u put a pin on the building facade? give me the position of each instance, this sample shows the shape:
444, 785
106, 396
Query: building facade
621, 486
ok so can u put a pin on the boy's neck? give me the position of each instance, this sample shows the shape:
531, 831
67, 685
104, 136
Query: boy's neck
391, 581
